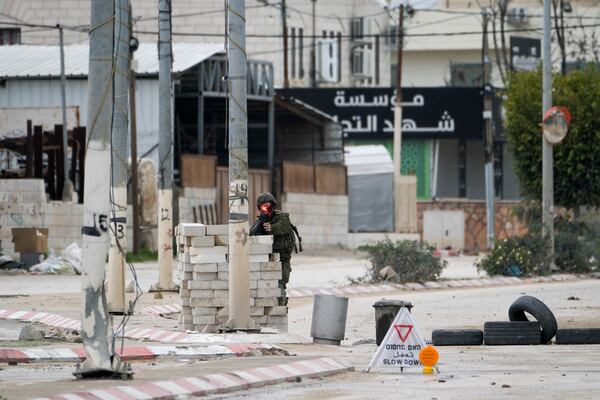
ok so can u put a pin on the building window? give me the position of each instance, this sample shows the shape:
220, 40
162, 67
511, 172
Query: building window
9, 36
465, 75
357, 28
293, 51
300, 53
358, 61
391, 38
462, 168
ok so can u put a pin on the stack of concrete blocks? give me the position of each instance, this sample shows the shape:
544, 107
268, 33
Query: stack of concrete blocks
322, 219
204, 273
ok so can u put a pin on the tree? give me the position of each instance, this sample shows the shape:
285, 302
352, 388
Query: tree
577, 158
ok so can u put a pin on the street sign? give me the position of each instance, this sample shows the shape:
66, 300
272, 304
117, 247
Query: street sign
401, 346
556, 124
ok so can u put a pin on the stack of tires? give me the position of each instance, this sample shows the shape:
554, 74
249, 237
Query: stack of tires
518, 330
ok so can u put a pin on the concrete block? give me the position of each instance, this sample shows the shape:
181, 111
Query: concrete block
202, 268
223, 267
261, 239
197, 311
279, 327
184, 293
277, 310
266, 302
254, 267
183, 257
188, 229
259, 319
185, 267
254, 276
221, 240
202, 241
257, 311
221, 293
202, 294
267, 284
270, 266
258, 258
260, 249
217, 229
192, 285
186, 276
205, 276
270, 292
209, 302
220, 285
204, 319
207, 259
275, 275
277, 319
223, 276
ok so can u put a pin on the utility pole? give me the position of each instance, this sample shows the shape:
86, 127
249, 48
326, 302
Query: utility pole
239, 260
286, 81
398, 122
488, 133
313, 52
547, 157
119, 147
165, 149
67, 194
96, 327
135, 209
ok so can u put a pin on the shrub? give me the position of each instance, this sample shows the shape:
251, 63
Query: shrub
413, 261
515, 256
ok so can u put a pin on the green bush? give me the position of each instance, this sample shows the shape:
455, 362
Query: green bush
525, 255
411, 260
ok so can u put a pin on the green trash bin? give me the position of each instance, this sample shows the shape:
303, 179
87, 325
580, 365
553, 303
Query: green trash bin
385, 312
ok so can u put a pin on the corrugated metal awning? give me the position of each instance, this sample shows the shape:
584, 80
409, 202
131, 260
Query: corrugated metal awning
33, 61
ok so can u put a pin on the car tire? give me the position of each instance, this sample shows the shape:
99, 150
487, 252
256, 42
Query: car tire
511, 333
578, 336
457, 337
539, 311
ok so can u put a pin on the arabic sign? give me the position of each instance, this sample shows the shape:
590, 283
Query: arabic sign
525, 53
401, 346
427, 113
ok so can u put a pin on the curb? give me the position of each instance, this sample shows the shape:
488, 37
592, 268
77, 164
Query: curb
160, 335
139, 353
214, 383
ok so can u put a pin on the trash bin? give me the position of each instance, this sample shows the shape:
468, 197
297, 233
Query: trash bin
329, 319
385, 312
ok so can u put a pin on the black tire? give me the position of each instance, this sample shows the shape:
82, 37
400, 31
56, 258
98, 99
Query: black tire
539, 311
578, 336
511, 333
457, 337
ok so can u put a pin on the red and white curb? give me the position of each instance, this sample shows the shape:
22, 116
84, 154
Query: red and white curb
138, 353
160, 335
214, 383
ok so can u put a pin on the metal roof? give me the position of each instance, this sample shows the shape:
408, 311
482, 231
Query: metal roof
36, 61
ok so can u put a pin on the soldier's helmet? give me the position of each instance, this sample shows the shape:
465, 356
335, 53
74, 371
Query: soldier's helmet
265, 197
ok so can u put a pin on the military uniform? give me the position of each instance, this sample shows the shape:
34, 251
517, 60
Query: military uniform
284, 240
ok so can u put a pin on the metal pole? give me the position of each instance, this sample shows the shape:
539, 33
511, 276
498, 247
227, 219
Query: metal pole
239, 261
286, 81
165, 153
120, 124
313, 55
398, 123
67, 194
96, 327
547, 159
489, 139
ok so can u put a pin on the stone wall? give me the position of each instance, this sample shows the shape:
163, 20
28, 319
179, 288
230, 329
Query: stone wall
321, 219
204, 273
506, 223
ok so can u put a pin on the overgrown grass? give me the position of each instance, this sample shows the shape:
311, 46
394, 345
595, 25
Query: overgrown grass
145, 255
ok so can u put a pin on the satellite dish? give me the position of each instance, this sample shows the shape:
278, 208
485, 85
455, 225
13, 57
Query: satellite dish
556, 124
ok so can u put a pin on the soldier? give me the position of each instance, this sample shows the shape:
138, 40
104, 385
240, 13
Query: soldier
276, 223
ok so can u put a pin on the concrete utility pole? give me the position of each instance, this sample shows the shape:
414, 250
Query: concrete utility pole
135, 209
398, 122
547, 157
120, 124
286, 81
488, 132
67, 194
239, 260
96, 327
165, 149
